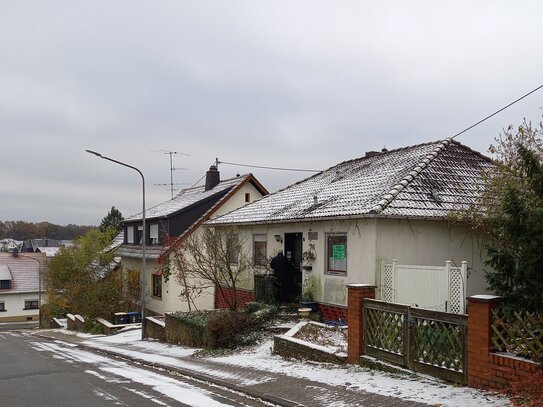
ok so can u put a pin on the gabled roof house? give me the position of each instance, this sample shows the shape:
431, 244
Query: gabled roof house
174, 220
364, 217
19, 285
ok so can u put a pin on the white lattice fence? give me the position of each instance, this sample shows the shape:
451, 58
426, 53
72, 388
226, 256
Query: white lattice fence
438, 288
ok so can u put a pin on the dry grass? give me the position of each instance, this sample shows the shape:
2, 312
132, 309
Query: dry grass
329, 336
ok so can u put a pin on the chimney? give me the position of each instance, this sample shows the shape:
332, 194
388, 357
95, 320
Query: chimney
212, 178
371, 153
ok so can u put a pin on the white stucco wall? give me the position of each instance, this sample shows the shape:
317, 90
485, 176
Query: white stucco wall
329, 288
431, 243
238, 199
14, 305
373, 241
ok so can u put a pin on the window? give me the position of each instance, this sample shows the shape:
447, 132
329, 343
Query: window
337, 253
130, 235
260, 251
247, 197
157, 286
153, 234
140, 235
233, 248
31, 304
2, 306
5, 284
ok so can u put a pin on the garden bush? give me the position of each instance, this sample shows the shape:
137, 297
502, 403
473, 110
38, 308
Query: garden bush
230, 329
266, 289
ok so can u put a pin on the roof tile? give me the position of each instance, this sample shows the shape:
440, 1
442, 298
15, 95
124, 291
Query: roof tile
426, 180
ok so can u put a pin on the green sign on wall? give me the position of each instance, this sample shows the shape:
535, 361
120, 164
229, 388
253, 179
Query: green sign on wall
338, 251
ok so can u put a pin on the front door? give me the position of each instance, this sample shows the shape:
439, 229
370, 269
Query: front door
293, 253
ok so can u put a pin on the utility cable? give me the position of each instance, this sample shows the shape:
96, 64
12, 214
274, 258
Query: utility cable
268, 168
498, 111
193, 185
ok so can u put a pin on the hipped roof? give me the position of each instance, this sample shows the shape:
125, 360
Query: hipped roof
422, 181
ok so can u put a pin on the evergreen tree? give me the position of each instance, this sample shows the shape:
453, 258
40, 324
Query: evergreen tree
113, 219
511, 218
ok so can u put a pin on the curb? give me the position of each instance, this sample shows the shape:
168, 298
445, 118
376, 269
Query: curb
267, 397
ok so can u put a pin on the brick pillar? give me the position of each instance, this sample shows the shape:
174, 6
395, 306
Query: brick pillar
480, 337
355, 296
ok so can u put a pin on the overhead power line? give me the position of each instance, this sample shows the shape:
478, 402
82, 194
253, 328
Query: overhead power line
498, 111
268, 168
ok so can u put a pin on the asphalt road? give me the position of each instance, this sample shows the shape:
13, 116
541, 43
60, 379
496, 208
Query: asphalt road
36, 372
11, 326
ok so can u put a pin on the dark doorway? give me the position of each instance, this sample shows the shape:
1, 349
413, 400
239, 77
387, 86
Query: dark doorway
293, 253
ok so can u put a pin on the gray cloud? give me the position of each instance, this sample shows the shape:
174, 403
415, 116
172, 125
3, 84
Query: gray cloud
296, 84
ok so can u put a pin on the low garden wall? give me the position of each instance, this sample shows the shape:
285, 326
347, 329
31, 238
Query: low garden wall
290, 347
486, 368
155, 329
183, 333
244, 297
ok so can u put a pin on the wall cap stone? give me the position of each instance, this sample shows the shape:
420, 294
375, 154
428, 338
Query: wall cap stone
361, 286
484, 298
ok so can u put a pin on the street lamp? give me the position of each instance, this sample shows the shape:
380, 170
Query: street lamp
143, 259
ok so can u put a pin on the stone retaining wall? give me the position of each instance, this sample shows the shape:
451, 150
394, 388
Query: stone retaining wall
177, 331
289, 347
155, 329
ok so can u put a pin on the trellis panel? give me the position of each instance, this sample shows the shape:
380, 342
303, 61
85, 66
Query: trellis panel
520, 333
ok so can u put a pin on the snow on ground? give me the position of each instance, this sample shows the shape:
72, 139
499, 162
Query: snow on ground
112, 370
129, 343
417, 388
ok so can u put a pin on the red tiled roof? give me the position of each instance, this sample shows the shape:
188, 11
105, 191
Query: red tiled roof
24, 270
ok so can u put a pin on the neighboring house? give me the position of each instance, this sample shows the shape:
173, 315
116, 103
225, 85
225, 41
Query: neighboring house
19, 286
175, 220
48, 246
8, 245
359, 216
103, 269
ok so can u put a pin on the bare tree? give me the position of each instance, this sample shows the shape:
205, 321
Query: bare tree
213, 257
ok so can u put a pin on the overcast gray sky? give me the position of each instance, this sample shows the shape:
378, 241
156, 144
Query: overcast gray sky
303, 84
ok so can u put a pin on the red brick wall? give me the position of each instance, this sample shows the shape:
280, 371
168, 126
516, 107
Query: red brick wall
332, 312
243, 296
487, 370
355, 295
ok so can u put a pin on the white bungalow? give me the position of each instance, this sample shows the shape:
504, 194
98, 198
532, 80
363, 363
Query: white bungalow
382, 219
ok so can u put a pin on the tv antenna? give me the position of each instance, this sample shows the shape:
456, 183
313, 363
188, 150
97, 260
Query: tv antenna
171, 184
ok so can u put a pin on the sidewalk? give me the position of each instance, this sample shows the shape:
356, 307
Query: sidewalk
269, 383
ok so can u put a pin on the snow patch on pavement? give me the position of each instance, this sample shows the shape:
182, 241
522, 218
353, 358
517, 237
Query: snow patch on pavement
165, 385
420, 388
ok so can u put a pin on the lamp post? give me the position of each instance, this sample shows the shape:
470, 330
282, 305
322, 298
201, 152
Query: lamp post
143, 259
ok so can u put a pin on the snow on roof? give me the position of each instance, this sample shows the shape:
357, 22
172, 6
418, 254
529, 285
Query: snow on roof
49, 251
426, 180
186, 198
25, 269
5, 273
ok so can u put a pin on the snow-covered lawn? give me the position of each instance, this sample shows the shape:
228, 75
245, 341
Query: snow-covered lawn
418, 388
